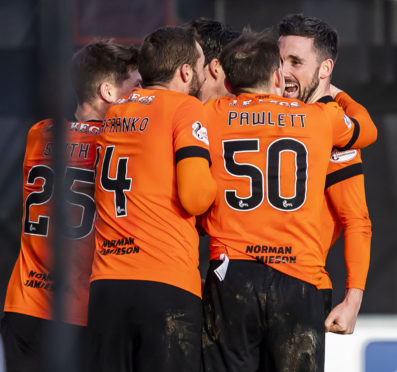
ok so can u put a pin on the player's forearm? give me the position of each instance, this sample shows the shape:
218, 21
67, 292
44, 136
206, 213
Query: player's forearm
368, 131
347, 198
357, 258
351, 107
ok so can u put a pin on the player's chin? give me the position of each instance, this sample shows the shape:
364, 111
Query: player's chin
292, 95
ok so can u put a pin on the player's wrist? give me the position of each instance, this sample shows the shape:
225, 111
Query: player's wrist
353, 298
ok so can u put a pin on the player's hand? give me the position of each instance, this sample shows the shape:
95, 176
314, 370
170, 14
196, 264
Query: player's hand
342, 318
334, 90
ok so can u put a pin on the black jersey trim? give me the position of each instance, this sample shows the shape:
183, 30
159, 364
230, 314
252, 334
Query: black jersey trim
343, 174
355, 135
356, 132
192, 152
326, 99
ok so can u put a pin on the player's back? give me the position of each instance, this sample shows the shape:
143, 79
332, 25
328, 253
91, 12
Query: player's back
142, 231
31, 284
270, 158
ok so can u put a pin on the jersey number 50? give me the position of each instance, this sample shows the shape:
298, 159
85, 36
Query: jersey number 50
273, 166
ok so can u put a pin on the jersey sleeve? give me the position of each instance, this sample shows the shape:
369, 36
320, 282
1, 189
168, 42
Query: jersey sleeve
354, 110
361, 118
347, 132
196, 186
346, 192
190, 132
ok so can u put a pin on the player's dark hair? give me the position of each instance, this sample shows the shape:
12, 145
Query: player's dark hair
100, 61
163, 51
212, 36
325, 38
250, 60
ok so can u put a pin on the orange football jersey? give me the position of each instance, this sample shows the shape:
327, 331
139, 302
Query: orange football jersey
31, 284
142, 231
345, 205
269, 159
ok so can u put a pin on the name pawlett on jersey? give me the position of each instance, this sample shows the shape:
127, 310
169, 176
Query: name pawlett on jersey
119, 125
39, 280
266, 118
72, 150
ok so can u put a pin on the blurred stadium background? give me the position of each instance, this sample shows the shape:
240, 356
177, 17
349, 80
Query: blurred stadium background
32, 33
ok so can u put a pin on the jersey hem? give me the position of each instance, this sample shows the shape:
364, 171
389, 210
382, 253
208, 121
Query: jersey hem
123, 277
46, 316
214, 255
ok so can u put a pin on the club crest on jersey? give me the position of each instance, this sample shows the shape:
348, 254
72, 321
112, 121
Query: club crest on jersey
200, 132
348, 122
342, 156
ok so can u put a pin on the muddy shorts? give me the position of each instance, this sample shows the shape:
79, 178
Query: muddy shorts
143, 326
258, 319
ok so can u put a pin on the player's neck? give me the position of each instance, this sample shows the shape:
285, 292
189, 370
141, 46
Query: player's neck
173, 85
322, 90
86, 111
257, 90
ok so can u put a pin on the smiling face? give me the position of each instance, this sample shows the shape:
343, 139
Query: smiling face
301, 66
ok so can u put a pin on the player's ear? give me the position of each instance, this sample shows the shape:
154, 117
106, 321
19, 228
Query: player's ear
278, 82
326, 68
277, 78
215, 68
106, 91
186, 72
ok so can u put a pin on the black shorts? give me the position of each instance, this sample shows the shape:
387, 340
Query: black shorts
258, 319
143, 326
26, 341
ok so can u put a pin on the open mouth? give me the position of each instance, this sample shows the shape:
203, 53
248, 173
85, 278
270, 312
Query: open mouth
291, 90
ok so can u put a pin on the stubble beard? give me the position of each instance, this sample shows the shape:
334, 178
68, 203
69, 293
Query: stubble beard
306, 93
195, 86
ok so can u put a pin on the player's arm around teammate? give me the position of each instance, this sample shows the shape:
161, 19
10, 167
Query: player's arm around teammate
308, 48
346, 192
